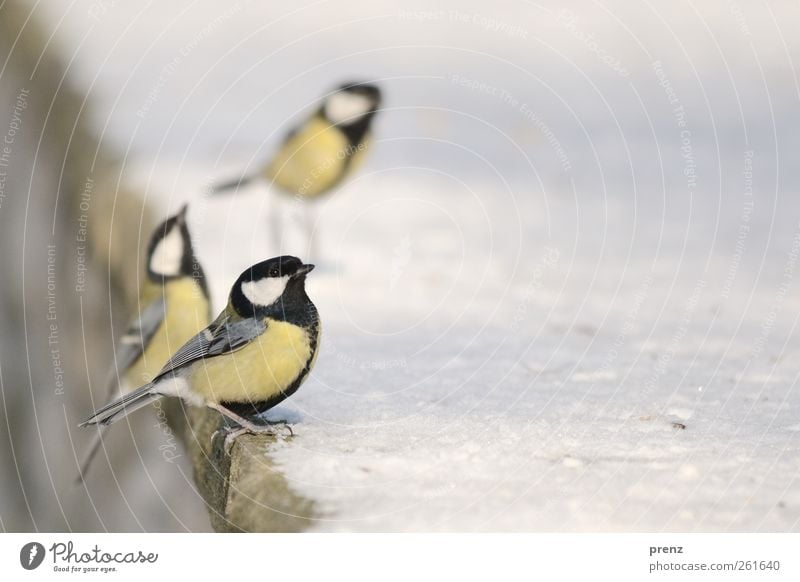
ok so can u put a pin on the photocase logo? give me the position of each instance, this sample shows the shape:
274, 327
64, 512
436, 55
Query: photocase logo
31, 555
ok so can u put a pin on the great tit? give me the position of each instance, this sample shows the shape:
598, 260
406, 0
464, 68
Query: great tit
256, 353
318, 154
174, 305
323, 151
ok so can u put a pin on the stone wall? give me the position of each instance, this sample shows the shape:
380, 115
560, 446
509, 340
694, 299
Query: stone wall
70, 258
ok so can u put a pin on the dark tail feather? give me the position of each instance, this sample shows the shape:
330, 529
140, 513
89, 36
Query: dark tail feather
103, 423
90, 455
122, 407
233, 185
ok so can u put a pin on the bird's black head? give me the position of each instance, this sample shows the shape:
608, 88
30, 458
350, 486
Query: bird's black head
351, 108
170, 254
368, 91
271, 287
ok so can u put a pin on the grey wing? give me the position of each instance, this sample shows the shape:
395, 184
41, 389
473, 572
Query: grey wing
136, 339
221, 337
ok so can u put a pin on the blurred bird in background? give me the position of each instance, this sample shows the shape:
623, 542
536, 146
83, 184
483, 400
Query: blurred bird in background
319, 154
174, 305
255, 354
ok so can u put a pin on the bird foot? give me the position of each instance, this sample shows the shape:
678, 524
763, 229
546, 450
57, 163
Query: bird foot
270, 428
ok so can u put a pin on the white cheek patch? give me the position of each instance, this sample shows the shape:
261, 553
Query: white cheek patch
265, 291
346, 107
167, 258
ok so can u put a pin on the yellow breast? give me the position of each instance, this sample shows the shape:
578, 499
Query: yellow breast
262, 369
186, 314
313, 161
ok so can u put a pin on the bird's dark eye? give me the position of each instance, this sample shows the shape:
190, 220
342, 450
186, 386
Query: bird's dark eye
274, 272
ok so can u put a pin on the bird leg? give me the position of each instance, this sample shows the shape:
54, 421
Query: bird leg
245, 426
310, 227
276, 220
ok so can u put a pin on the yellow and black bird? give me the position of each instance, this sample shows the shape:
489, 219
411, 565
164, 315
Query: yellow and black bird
174, 305
256, 353
319, 154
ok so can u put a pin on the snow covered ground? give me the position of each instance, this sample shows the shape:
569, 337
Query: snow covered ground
562, 292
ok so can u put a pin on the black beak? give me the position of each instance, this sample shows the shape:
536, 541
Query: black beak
303, 270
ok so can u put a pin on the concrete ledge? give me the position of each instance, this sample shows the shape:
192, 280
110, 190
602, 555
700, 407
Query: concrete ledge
243, 491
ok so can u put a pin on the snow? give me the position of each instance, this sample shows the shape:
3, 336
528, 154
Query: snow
557, 301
